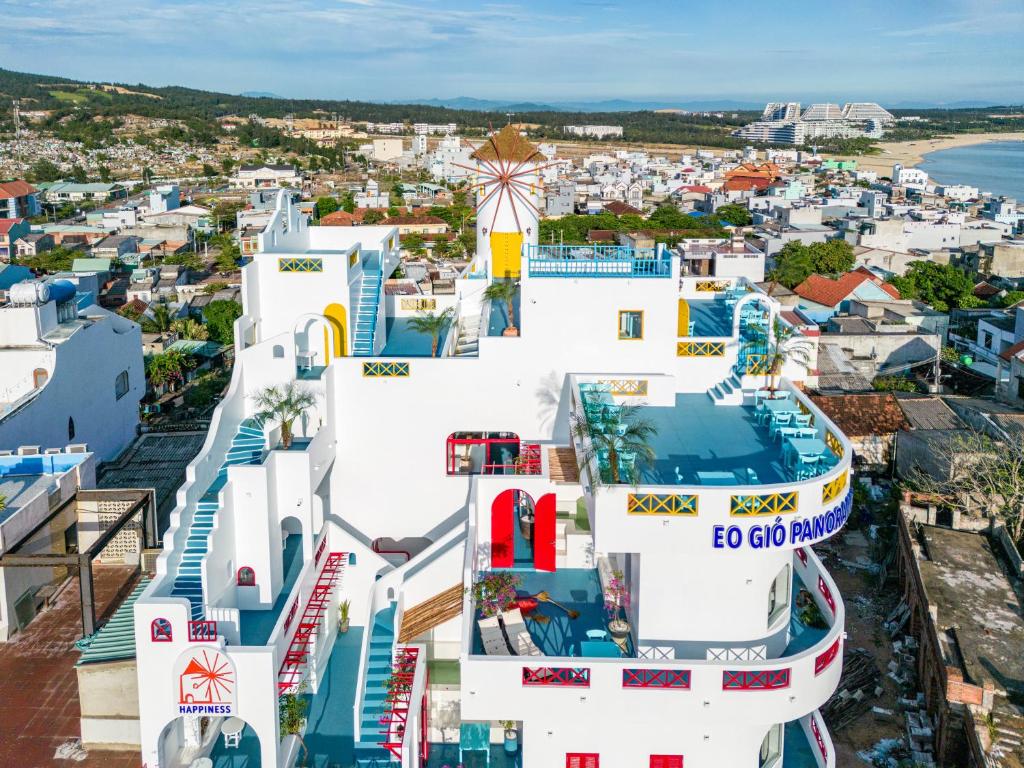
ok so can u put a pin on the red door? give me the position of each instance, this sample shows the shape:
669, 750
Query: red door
666, 761
544, 533
502, 522
581, 760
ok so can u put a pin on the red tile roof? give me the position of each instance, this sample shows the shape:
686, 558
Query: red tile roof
745, 184
413, 220
339, 219
860, 415
700, 188
620, 208
1012, 352
17, 188
829, 293
6, 224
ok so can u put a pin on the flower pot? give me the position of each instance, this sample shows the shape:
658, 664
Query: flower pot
619, 629
343, 626
511, 741
510, 332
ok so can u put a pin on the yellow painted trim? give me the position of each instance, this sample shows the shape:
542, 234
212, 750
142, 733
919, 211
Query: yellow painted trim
338, 320
661, 504
506, 254
683, 322
619, 328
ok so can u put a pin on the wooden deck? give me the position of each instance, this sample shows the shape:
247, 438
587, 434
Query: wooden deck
563, 466
431, 613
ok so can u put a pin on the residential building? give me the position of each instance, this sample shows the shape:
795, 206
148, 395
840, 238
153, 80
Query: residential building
421, 224
912, 178
736, 257
594, 131
870, 422
266, 176
116, 247
822, 297
1003, 210
495, 487
1001, 258
560, 199
68, 374
164, 198
68, 191
387, 150
11, 230
33, 244
18, 200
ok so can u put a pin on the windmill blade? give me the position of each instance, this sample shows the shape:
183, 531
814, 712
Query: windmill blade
490, 194
497, 206
523, 198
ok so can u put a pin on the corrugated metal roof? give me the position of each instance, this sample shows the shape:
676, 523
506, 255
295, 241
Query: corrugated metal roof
115, 640
929, 413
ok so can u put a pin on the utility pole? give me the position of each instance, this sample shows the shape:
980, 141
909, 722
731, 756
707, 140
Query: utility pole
17, 119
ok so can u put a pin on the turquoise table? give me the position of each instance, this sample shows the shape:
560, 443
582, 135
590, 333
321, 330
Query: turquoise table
716, 478
600, 649
806, 446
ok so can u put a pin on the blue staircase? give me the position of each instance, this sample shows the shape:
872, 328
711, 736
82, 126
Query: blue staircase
246, 448
368, 752
366, 310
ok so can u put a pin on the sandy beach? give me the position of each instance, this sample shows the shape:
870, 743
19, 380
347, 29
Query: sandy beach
910, 153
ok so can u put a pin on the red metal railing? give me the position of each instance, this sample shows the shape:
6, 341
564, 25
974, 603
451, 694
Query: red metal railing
295, 657
399, 700
819, 738
564, 676
320, 549
202, 630
826, 593
656, 678
291, 614
801, 554
755, 680
825, 658
375, 546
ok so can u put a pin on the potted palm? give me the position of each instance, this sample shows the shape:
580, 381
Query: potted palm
511, 736
292, 708
616, 600
432, 324
506, 291
343, 611
283, 404
630, 437
780, 346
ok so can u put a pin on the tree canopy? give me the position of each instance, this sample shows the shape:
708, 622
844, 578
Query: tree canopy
220, 318
943, 286
797, 261
737, 215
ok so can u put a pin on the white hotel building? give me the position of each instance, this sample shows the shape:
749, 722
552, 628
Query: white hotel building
414, 478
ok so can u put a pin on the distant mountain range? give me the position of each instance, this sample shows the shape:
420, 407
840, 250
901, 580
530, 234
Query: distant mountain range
607, 105
259, 95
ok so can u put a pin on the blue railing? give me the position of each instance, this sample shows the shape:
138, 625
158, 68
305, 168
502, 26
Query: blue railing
596, 261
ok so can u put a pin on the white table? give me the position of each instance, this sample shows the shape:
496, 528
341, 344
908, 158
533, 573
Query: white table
304, 360
232, 730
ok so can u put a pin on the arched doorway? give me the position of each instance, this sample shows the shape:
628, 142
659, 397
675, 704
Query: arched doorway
523, 531
336, 318
312, 337
228, 742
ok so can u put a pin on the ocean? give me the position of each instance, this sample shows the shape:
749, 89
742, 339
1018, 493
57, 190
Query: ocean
996, 167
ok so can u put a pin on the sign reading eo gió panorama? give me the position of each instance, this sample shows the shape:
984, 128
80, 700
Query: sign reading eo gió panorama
205, 682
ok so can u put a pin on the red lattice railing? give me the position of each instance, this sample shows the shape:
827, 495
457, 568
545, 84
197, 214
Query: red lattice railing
819, 738
202, 630
563, 676
755, 680
399, 700
656, 678
827, 594
801, 554
825, 659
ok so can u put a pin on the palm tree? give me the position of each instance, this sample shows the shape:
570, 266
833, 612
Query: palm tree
505, 290
293, 707
187, 328
432, 324
633, 436
160, 322
283, 404
780, 346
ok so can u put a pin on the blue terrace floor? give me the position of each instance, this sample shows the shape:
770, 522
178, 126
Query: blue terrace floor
403, 341
556, 634
448, 754
498, 320
245, 755
695, 435
796, 751
801, 636
256, 626
329, 733
710, 318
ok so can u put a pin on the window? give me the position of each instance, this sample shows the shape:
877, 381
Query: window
1020, 387
121, 385
160, 631
582, 760
484, 453
771, 747
666, 761
278, 351
631, 324
778, 595
71, 428
246, 577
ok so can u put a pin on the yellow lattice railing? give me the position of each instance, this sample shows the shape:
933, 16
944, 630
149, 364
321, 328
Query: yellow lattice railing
419, 305
766, 504
626, 387
661, 504
831, 490
757, 364
303, 264
385, 369
833, 442
700, 348
712, 286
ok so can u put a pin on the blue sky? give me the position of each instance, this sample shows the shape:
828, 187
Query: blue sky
878, 50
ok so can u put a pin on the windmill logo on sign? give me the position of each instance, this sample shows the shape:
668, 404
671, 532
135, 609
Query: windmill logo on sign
206, 684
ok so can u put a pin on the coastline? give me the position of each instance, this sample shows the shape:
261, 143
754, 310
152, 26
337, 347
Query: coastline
910, 153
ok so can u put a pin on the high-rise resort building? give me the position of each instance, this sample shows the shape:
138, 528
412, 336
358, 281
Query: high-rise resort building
579, 534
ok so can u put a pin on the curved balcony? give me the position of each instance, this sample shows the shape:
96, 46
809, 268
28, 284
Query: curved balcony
783, 688
808, 743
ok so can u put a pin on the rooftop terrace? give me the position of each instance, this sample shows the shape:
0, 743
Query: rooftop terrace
256, 625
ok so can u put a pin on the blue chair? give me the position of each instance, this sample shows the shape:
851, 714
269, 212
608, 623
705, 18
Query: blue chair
475, 737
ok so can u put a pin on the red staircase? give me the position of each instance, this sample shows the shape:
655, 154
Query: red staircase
399, 701
290, 674
529, 459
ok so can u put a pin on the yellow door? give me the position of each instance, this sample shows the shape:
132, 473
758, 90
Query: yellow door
335, 314
506, 250
684, 318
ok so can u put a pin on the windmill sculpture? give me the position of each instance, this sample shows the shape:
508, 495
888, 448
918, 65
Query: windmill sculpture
508, 184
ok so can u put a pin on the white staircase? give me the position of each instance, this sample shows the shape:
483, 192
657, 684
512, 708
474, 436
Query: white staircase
366, 310
728, 392
468, 342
